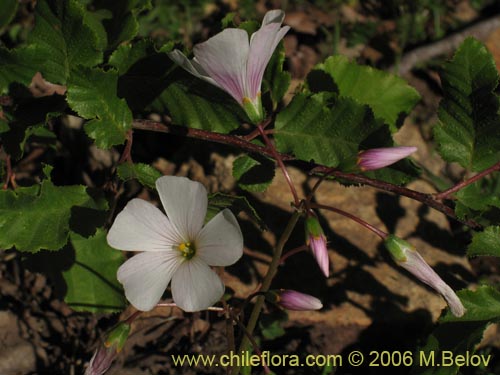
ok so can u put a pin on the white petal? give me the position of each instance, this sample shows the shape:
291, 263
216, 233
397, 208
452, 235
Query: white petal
145, 277
142, 226
273, 16
262, 45
220, 242
185, 203
224, 58
192, 66
195, 286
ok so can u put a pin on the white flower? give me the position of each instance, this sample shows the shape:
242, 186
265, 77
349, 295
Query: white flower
235, 64
178, 248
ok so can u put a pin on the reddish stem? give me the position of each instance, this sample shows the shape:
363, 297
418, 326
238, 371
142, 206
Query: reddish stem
282, 166
9, 173
374, 229
242, 144
126, 156
446, 193
297, 250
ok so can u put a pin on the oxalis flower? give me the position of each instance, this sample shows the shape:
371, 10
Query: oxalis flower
235, 64
177, 248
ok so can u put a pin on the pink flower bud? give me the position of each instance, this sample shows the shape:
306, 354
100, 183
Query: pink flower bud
293, 300
104, 356
407, 257
377, 158
316, 240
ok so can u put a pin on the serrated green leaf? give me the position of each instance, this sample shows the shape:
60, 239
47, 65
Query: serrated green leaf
37, 217
481, 194
312, 131
91, 281
253, 175
144, 72
276, 80
145, 173
18, 65
485, 243
62, 36
9, 9
388, 95
446, 343
200, 105
92, 94
218, 201
122, 26
482, 304
4, 126
468, 131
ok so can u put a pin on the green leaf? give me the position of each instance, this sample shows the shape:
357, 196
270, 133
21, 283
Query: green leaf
271, 325
218, 201
92, 94
485, 243
144, 72
122, 25
197, 104
468, 131
482, 304
275, 79
444, 345
91, 280
18, 65
388, 95
253, 175
9, 9
144, 173
63, 38
312, 131
37, 217
481, 194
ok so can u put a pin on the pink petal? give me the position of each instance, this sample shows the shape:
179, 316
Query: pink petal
262, 45
224, 58
377, 158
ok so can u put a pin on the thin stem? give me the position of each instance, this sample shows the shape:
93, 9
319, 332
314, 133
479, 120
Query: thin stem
173, 304
132, 317
250, 338
446, 193
126, 156
242, 144
9, 173
266, 283
282, 166
374, 229
297, 250
231, 346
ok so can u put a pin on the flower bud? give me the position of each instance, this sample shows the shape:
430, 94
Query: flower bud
316, 240
377, 158
407, 257
293, 300
107, 352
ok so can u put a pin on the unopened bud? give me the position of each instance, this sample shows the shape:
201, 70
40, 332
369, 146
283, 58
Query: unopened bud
377, 158
107, 352
293, 300
316, 240
407, 257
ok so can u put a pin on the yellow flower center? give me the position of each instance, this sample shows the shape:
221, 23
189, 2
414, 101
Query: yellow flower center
187, 249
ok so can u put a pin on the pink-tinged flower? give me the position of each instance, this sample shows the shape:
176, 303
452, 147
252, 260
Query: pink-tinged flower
407, 257
235, 64
177, 248
316, 240
105, 355
377, 158
293, 300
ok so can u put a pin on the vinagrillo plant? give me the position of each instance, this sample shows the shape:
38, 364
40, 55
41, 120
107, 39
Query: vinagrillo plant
133, 253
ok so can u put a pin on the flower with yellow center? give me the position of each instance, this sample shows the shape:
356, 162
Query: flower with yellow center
176, 248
